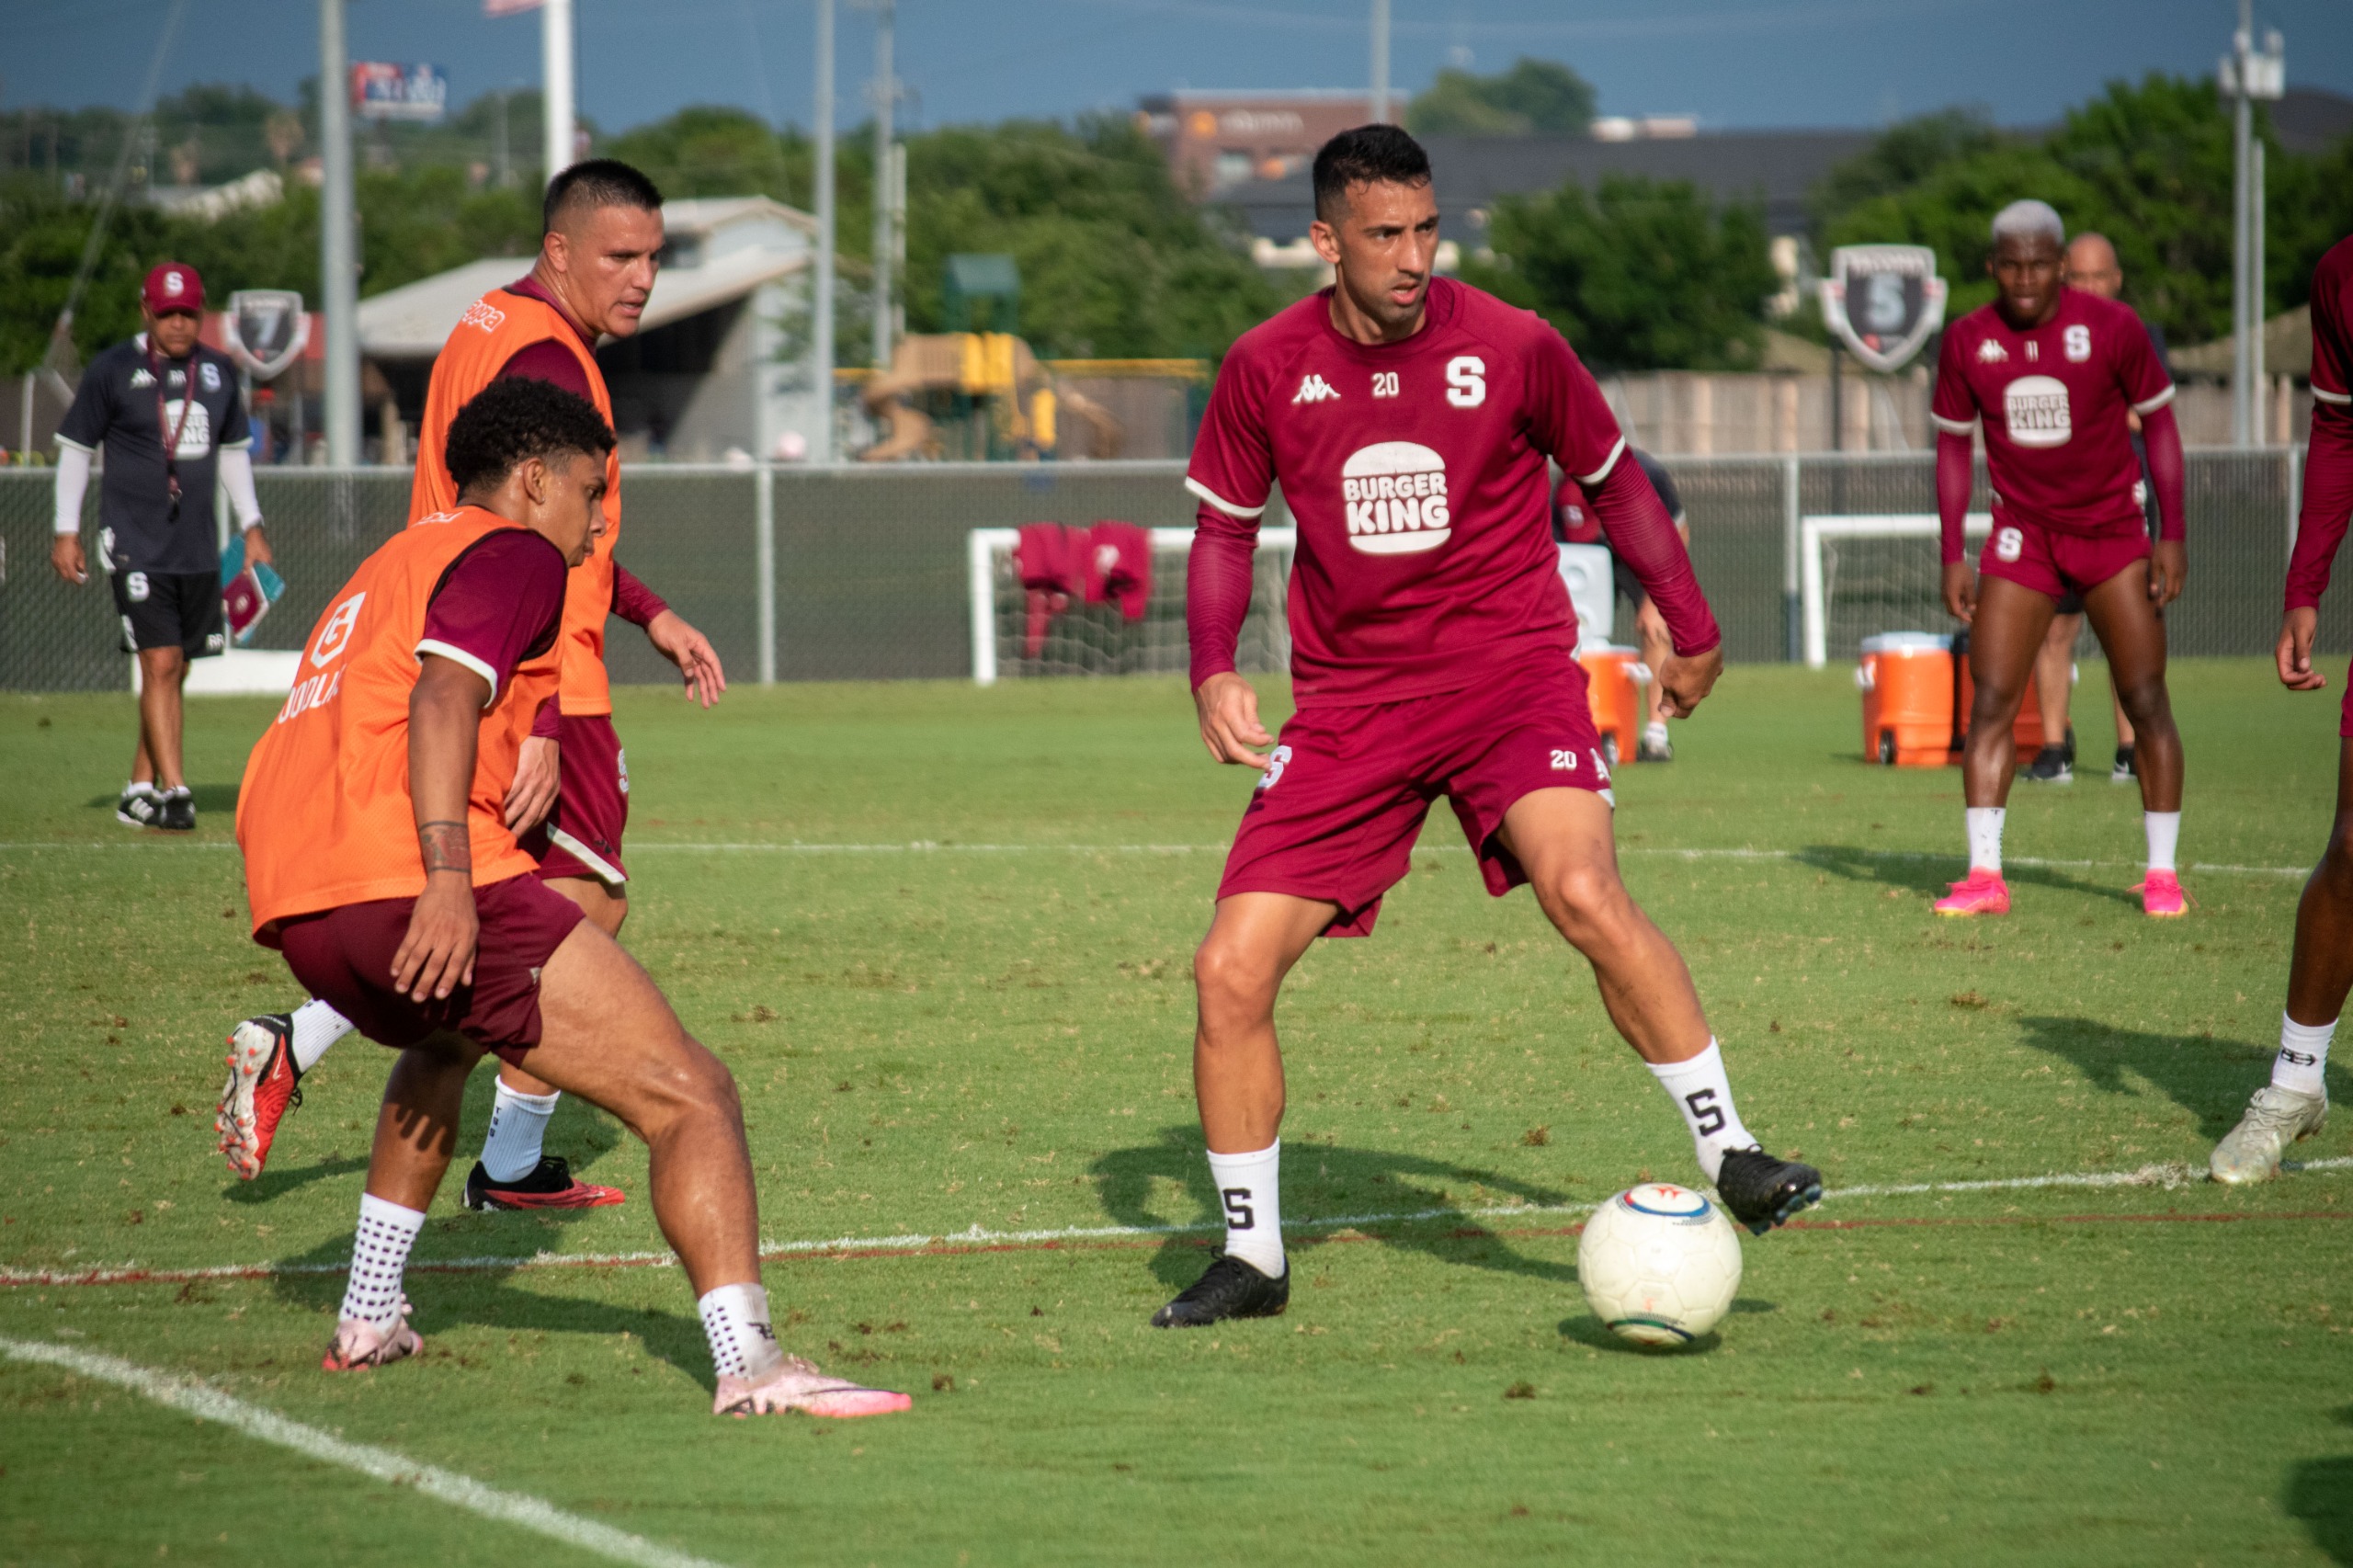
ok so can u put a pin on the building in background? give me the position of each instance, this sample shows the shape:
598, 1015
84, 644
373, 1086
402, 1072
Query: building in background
1216, 143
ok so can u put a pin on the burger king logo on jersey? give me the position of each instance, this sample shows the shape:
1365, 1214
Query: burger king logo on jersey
2035, 408
1395, 494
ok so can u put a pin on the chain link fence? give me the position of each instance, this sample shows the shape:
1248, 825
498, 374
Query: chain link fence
867, 568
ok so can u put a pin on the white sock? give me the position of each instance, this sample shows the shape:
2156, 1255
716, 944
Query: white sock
379, 1257
316, 1027
1702, 1093
2165, 836
519, 1130
743, 1341
1984, 838
1249, 1188
1654, 730
2303, 1056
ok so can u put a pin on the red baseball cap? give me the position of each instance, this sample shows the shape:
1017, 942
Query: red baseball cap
173, 286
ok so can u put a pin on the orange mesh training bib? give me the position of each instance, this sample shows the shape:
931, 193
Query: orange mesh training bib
493, 330
323, 816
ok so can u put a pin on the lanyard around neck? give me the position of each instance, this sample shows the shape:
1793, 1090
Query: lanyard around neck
171, 432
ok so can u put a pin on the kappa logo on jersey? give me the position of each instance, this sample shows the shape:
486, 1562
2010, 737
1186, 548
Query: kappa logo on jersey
484, 314
140, 380
1314, 388
1992, 352
1395, 492
2035, 408
1277, 760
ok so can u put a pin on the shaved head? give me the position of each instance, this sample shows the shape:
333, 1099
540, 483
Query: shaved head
2092, 266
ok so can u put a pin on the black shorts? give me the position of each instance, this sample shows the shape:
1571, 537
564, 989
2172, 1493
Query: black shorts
1628, 588
170, 610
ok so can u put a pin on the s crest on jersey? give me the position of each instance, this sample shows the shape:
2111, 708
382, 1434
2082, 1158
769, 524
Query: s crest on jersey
1396, 500
2035, 408
1314, 388
1992, 352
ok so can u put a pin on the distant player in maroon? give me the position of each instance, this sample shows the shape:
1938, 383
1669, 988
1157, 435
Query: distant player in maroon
2052, 376
2295, 1102
1409, 420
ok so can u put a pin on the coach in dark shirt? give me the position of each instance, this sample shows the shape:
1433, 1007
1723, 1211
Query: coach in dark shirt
165, 409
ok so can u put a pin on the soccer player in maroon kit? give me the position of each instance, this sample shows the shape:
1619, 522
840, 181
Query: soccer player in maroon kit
2294, 1104
1408, 419
2052, 373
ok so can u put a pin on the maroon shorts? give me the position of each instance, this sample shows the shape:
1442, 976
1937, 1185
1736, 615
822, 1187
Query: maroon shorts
1336, 813
2056, 564
344, 957
582, 837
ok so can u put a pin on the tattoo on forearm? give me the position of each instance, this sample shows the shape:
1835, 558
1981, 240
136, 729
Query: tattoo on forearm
446, 847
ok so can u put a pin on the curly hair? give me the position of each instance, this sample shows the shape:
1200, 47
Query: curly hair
518, 418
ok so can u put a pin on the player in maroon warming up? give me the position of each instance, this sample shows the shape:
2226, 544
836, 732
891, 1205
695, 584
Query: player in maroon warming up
2052, 374
1408, 419
2294, 1104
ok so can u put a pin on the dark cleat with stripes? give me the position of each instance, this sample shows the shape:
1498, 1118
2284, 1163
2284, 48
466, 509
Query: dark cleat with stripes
1230, 1288
1763, 1192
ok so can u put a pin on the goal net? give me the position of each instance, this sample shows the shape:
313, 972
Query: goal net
1862, 574
1097, 639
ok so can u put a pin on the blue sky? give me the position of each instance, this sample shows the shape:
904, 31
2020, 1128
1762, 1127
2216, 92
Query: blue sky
1733, 62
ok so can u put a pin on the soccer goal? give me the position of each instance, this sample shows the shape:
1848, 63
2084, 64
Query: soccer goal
1865, 574
1097, 639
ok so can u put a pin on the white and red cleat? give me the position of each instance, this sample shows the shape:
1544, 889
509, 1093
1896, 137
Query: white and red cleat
1984, 892
2161, 896
799, 1386
357, 1343
262, 1086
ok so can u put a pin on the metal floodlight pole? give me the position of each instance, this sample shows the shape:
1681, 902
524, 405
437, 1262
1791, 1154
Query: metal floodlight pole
2257, 413
339, 258
1379, 62
2242, 127
2247, 74
886, 95
821, 303
556, 99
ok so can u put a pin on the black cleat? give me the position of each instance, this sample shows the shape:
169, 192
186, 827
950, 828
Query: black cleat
2124, 772
1232, 1288
1763, 1192
180, 810
550, 1184
2051, 765
141, 806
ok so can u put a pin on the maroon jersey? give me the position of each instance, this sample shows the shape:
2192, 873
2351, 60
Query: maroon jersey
1416, 473
2328, 461
2053, 400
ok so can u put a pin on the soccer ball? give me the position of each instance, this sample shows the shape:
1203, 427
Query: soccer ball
1659, 1264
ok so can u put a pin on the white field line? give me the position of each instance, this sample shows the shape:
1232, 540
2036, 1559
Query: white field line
2169, 1174
208, 1404
930, 847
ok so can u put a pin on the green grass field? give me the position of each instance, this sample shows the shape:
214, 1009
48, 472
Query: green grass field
973, 1010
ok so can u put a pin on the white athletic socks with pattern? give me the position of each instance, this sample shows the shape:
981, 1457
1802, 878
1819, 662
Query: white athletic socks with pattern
2303, 1056
1249, 1190
316, 1027
743, 1340
1984, 838
519, 1131
2164, 837
1702, 1093
379, 1257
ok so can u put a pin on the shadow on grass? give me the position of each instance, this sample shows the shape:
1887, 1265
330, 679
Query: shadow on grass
2320, 1492
1930, 875
1324, 1181
276, 1181
2206, 1077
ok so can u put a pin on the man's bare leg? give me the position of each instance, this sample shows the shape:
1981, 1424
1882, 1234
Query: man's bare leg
2004, 640
1658, 646
2054, 681
162, 672
1563, 840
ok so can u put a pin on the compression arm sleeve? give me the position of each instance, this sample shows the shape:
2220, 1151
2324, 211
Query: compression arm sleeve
1954, 464
1217, 588
73, 483
2161, 436
1642, 536
633, 600
2328, 503
237, 478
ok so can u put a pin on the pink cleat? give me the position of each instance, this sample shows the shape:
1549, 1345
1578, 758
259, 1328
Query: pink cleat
357, 1344
799, 1386
2161, 896
1984, 892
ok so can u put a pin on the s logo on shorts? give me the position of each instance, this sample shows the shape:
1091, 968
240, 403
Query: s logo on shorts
2008, 544
1277, 760
621, 766
134, 584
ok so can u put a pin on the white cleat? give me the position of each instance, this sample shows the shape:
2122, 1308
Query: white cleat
2275, 1119
797, 1385
359, 1344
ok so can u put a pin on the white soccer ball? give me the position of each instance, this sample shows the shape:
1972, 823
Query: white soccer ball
1660, 1265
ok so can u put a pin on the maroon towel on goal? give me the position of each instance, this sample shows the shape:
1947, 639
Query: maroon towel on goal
1051, 560
1119, 567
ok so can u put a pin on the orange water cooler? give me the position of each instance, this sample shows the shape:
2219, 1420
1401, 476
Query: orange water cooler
2026, 732
1907, 683
1614, 680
